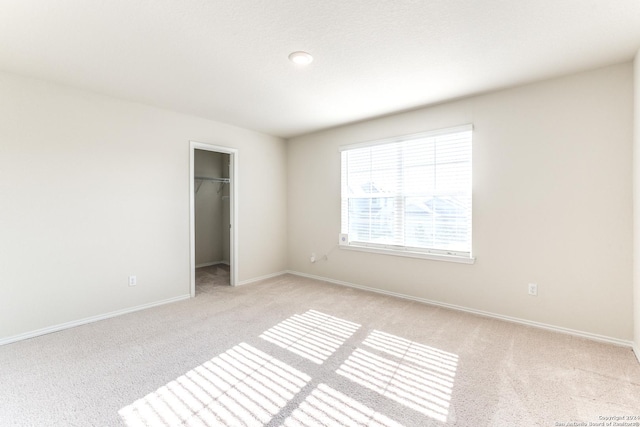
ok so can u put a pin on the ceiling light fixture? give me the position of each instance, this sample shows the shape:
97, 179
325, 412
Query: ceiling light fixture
300, 58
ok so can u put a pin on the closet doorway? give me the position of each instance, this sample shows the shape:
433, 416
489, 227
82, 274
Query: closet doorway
213, 172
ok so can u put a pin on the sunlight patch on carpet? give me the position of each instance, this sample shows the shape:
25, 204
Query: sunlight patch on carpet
312, 335
242, 386
327, 406
414, 375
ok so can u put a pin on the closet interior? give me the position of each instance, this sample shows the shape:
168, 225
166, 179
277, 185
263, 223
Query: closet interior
212, 219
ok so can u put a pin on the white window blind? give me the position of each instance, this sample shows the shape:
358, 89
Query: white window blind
411, 193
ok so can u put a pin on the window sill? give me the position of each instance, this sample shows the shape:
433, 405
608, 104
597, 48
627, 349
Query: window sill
408, 254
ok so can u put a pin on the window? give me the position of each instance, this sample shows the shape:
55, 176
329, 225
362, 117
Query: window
410, 195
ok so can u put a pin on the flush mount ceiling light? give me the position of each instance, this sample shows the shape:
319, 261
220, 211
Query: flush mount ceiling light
300, 58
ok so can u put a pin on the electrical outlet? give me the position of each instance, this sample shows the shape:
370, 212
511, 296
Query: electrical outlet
313, 257
133, 281
533, 289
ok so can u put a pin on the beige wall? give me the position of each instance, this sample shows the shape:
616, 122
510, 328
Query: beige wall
636, 206
94, 189
226, 210
552, 185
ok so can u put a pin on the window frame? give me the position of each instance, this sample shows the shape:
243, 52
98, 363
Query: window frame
399, 250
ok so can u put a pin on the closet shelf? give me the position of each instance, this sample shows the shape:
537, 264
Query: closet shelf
201, 179
206, 178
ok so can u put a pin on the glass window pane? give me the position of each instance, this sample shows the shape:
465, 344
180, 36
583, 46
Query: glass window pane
414, 192
371, 220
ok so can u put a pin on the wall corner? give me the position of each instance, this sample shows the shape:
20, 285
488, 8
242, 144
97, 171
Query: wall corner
636, 205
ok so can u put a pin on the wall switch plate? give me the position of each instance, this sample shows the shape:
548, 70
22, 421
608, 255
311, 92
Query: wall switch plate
533, 289
133, 281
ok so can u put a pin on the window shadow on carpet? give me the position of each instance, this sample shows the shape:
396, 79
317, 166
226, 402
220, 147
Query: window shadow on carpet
245, 386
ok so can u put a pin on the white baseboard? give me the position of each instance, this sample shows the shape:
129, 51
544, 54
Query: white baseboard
588, 335
86, 320
636, 351
258, 279
209, 264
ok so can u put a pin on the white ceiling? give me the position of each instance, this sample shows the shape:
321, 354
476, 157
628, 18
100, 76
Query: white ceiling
227, 60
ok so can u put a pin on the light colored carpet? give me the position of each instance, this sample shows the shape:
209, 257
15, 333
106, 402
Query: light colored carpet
209, 278
298, 352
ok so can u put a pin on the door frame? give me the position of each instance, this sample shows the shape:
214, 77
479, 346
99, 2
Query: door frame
233, 209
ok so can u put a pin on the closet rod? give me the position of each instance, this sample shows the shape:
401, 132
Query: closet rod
206, 178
